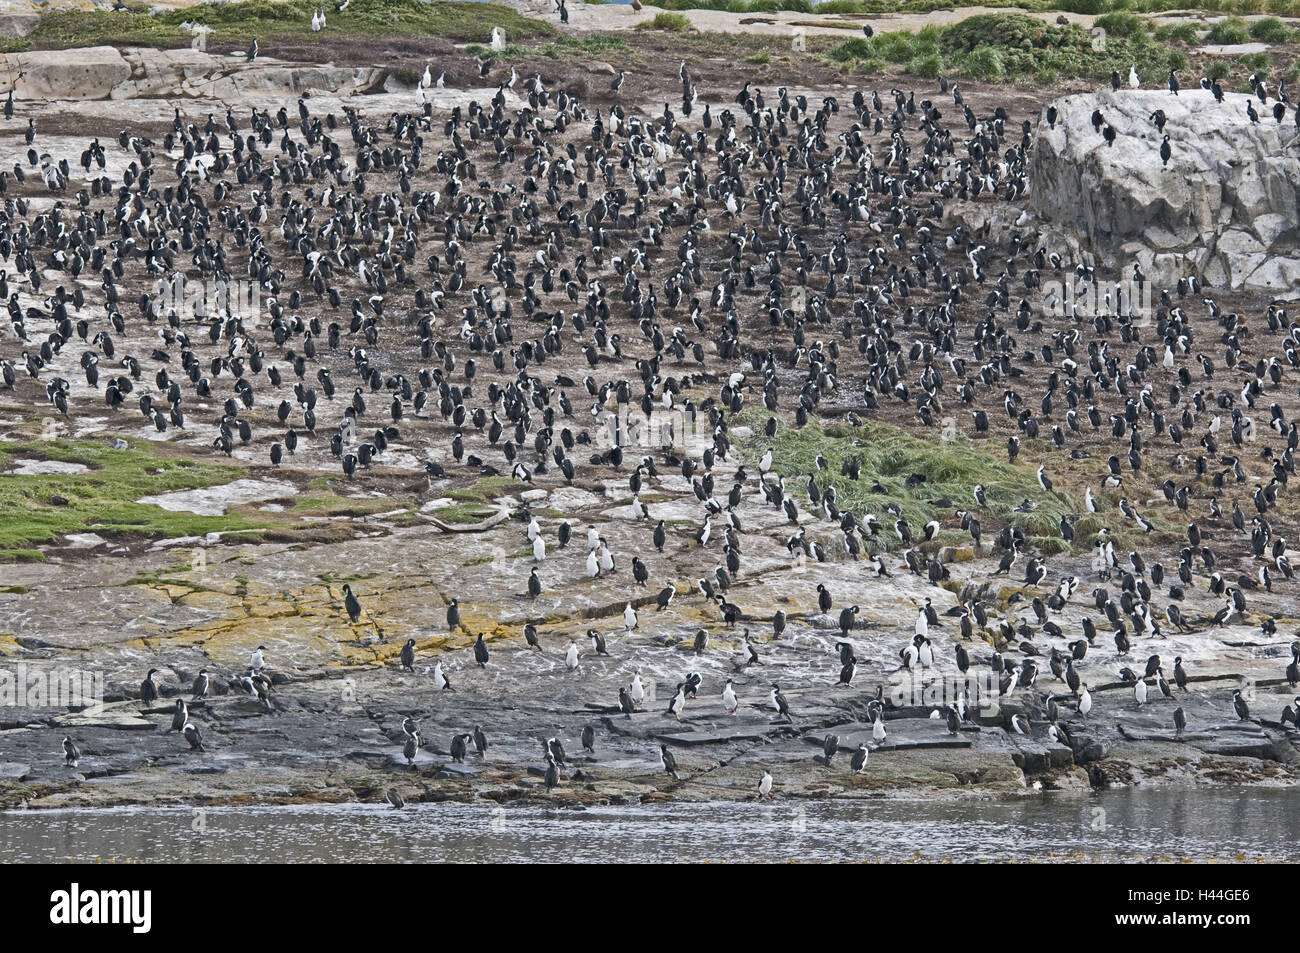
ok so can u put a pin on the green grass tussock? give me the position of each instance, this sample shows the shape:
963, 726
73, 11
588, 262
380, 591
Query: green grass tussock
240, 22
1229, 31
103, 498
890, 455
672, 22
1014, 46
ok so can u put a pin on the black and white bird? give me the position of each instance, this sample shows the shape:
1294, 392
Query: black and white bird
1239, 706
148, 690
552, 778
669, 762
858, 763
677, 704
351, 604
440, 680
729, 701
180, 716
780, 704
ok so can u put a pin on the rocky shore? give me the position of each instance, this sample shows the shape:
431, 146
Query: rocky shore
334, 728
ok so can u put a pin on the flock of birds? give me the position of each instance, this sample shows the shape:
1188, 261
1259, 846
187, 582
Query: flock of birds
500, 277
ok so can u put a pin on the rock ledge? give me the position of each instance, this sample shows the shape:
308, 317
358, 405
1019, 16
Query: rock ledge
1226, 208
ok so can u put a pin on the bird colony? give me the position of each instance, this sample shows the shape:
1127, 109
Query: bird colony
484, 288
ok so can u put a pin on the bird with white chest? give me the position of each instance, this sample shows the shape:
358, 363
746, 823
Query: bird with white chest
729, 700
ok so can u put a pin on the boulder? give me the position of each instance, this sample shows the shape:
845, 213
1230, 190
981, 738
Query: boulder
18, 24
103, 72
1224, 208
88, 73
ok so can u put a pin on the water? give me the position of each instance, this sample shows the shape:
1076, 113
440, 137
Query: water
1220, 824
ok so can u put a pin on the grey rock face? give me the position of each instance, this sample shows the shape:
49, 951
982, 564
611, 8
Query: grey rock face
60, 74
1226, 207
104, 72
18, 24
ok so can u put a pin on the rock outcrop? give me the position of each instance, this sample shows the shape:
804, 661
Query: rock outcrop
104, 72
88, 73
1226, 207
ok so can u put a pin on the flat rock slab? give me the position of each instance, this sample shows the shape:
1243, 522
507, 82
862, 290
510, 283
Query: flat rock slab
42, 467
718, 736
119, 720
57, 74
83, 540
1143, 731
900, 734
213, 501
1035, 751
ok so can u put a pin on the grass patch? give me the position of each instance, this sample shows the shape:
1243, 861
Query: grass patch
1024, 46
669, 21
329, 504
926, 65
1087, 7
1257, 63
1231, 30
484, 489
453, 21
564, 47
462, 513
1218, 69
1185, 33
1271, 30
890, 455
67, 28
594, 43
984, 62
240, 22
759, 59
1121, 23
1013, 46
896, 47
853, 50
103, 498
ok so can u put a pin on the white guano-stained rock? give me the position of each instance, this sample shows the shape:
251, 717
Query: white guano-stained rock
1226, 208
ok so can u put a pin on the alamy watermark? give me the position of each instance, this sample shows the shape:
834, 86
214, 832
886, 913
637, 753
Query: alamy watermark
1088, 298
660, 429
37, 686
977, 691
210, 298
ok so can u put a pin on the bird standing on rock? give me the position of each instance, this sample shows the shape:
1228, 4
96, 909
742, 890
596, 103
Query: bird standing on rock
351, 604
